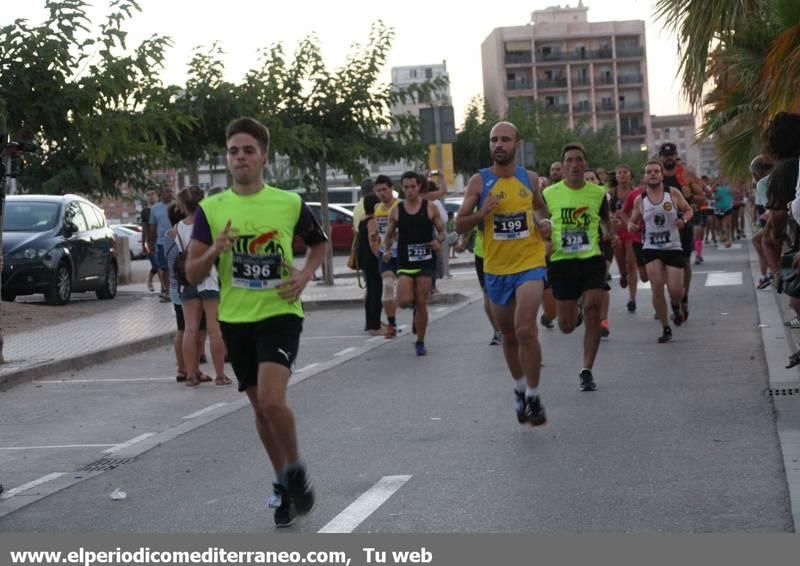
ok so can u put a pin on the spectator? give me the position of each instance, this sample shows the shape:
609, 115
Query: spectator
158, 225
368, 248
760, 168
367, 188
148, 244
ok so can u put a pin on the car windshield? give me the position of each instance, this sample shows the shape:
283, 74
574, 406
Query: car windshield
30, 216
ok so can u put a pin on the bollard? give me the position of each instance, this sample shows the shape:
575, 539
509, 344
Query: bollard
123, 253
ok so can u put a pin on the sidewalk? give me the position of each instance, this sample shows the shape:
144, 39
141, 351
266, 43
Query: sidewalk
148, 323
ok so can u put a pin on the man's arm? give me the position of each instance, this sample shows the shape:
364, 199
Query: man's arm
203, 249
316, 241
440, 192
390, 228
541, 214
634, 225
682, 205
605, 220
435, 217
468, 217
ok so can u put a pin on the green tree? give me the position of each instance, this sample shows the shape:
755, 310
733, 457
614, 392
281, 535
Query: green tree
471, 150
81, 95
341, 118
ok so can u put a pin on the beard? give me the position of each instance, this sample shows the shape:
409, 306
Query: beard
504, 158
653, 184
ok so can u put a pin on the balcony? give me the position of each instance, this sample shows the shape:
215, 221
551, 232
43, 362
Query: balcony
553, 56
629, 105
518, 58
629, 52
604, 80
519, 84
605, 106
551, 83
557, 108
581, 82
633, 131
630, 79
582, 108
605, 53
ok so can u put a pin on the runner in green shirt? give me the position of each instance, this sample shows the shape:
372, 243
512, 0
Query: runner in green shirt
248, 232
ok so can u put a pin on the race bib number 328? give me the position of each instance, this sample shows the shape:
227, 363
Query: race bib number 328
256, 272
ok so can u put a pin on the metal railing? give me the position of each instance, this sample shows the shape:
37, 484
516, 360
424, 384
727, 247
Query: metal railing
629, 79
630, 52
582, 108
518, 57
605, 106
552, 83
559, 108
634, 131
631, 105
519, 84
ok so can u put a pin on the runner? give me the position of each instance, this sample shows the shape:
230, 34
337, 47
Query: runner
660, 206
388, 269
556, 172
513, 218
621, 187
415, 219
591, 176
578, 271
249, 230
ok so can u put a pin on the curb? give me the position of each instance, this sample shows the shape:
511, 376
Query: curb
45, 368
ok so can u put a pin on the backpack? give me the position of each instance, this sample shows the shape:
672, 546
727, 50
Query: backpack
179, 263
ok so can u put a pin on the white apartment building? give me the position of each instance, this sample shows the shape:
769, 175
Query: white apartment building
593, 72
680, 130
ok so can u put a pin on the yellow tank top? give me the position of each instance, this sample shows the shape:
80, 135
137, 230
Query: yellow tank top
511, 242
381, 215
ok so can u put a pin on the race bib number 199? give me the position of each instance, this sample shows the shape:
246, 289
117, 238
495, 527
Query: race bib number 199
256, 272
511, 226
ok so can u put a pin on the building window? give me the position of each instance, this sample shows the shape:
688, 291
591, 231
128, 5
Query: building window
412, 73
657, 134
681, 133
428, 73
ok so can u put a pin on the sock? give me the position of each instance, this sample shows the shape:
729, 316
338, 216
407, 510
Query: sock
698, 247
586, 369
531, 392
392, 321
520, 384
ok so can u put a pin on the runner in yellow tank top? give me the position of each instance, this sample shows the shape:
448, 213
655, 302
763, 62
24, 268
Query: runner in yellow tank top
513, 216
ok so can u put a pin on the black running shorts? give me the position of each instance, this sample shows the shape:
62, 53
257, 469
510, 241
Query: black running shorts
272, 340
571, 277
672, 258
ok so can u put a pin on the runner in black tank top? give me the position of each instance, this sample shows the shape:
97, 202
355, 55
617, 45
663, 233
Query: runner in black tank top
415, 220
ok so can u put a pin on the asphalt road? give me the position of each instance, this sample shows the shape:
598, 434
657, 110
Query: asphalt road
679, 437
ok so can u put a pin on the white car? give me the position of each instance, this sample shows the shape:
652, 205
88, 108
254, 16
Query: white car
134, 240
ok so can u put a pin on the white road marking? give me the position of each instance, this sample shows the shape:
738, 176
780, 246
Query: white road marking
733, 247
440, 309
30, 485
204, 411
306, 368
376, 338
55, 447
724, 279
130, 442
369, 501
345, 351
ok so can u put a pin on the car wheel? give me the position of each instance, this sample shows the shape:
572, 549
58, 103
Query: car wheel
109, 288
60, 289
8, 296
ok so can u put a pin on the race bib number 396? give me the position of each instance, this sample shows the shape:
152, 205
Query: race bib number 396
256, 272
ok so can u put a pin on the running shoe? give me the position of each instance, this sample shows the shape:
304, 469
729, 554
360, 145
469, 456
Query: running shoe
605, 331
391, 331
301, 493
497, 339
587, 381
631, 306
685, 306
285, 512
764, 282
677, 315
203, 359
420, 348
698, 260
546, 322
666, 336
519, 406
534, 411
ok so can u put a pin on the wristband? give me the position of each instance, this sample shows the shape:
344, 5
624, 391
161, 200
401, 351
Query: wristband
546, 220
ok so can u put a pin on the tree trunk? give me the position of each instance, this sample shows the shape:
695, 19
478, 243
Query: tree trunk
194, 175
327, 265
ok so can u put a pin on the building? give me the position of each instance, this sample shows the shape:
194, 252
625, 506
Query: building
593, 72
709, 159
678, 129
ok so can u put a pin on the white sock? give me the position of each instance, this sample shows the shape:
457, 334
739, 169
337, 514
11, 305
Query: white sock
586, 369
520, 384
531, 392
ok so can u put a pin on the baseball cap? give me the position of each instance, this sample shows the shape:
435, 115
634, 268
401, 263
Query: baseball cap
668, 149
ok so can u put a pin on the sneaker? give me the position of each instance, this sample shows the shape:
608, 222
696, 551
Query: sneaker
546, 322
534, 411
519, 406
666, 336
285, 512
685, 306
420, 348
764, 282
391, 331
605, 331
587, 381
698, 260
497, 339
301, 493
203, 359
677, 315
631, 306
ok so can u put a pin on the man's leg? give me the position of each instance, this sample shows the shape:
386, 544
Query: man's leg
405, 291
592, 306
389, 280
675, 279
633, 280
528, 298
422, 289
657, 275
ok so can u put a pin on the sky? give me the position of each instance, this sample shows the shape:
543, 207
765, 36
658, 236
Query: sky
425, 33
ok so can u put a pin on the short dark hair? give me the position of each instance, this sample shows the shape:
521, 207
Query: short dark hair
383, 180
573, 146
370, 202
367, 187
654, 162
783, 136
410, 175
251, 126
175, 213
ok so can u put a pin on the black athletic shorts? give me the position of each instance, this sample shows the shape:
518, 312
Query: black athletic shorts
571, 277
479, 272
672, 258
638, 251
272, 340
181, 322
687, 240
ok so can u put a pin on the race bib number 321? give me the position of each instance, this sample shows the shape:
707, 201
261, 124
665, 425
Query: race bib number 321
256, 272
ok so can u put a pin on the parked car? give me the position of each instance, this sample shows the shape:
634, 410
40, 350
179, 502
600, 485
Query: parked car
57, 245
134, 227
134, 239
341, 219
452, 204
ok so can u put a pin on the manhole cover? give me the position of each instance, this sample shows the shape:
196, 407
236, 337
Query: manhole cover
105, 464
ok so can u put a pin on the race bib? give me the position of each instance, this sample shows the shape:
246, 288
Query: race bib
574, 241
659, 239
257, 272
383, 225
419, 252
511, 226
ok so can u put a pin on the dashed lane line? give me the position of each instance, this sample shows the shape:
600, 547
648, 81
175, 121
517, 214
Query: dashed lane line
369, 501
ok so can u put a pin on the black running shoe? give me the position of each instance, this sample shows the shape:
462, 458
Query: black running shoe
587, 381
666, 336
285, 512
685, 305
631, 306
677, 315
301, 493
546, 322
497, 339
534, 411
519, 406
